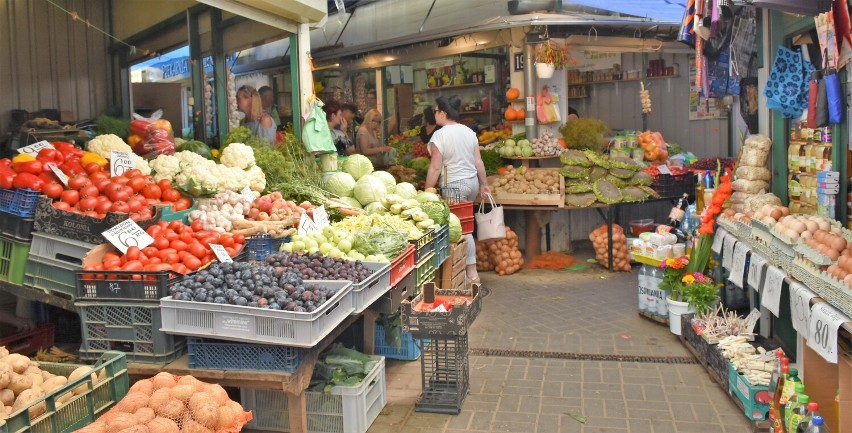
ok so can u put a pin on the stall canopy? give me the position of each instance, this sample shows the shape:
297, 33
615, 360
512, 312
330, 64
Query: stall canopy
281, 14
658, 10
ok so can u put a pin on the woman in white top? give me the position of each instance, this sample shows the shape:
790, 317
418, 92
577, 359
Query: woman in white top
456, 146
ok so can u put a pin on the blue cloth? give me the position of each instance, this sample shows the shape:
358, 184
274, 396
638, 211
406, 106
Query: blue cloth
787, 87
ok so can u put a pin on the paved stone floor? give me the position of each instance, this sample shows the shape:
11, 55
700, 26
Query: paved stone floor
587, 312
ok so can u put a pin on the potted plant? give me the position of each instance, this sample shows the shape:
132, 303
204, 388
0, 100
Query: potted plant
550, 57
691, 292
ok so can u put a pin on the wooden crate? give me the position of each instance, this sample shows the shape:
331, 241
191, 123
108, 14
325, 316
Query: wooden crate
453, 268
532, 199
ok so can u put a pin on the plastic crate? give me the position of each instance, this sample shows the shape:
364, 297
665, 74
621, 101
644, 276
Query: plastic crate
16, 228
684, 184
167, 214
749, 395
424, 246
227, 355
664, 185
13, 259
257, 247
345, 409
130, 328
79, 227
402, 265
20, 202
389, 303
121, 285
372, 288
442, 245
425, 270
81, 410
467, 225
60, 249
463, 209
408, 350
445, 375
233, 322
51, 276
29, 342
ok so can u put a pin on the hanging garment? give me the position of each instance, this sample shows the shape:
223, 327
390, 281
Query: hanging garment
842, 31
827, 40
743, 45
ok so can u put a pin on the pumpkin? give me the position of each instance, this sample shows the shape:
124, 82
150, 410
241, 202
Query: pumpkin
520, 114
510, 113
513, 93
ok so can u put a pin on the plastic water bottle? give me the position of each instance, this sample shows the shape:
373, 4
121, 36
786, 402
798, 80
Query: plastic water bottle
643, 286
793, 403
817, 425
805, 423
798, 413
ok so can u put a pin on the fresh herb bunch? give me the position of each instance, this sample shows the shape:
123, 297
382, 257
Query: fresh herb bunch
238, 135
112, 125
492, 161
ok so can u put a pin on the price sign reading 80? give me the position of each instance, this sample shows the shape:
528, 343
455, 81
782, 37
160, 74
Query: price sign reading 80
128, 234
822, 330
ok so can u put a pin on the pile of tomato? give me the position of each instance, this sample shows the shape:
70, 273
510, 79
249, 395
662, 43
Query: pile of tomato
177, 248
95, 193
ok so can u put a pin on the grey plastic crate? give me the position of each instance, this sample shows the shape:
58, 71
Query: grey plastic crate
59, 249
445, 374
233, 322
133, 328
371, 289
54, 277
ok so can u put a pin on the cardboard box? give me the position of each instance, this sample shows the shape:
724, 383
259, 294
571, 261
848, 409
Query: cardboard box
821, 383
454, 322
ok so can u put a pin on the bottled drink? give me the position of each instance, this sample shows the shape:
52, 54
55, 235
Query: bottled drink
817, 425
778, 375
699, 194
798, 413
678, 212
805, 423
643, 288
788, 391
793, 404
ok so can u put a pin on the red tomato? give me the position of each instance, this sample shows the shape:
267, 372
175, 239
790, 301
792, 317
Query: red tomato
170, 195
178, 245
146, 213
133, 173
135, 204
78, 181
98, 175
117, 194
176, 225
182, 203
197, 250
70, 196
180, 268
137, 183
196, 226
160, 243
152, 192
191, 262
61, 205
112, 264
238, 238
102, 184
227, 241
87, 204
172, 236
92, 168
103, 206
89, 191
132, 265
52, 190
165, 184
170, 258
133, 253
120, 207
93, 214
187, 237
121, 180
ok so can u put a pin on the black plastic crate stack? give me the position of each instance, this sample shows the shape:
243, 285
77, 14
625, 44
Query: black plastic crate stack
684, 184
664, 184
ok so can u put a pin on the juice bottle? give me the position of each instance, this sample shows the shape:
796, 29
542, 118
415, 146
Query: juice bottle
793, 157
778, 377
798, 413
803, 158
804, 423
789, 388
793, 404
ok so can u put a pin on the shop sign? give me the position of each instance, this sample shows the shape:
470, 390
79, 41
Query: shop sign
440, 63
519, 62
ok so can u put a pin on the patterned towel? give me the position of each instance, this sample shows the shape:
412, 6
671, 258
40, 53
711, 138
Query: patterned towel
787, 86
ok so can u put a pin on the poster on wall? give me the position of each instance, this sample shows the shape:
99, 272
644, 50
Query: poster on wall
592, 60
701, 108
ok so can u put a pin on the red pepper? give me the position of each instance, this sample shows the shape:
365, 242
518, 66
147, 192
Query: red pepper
6, 162
50, 155
7, 178
48, 177
32, 167
71, 167
67, 149
139, 127
28, 181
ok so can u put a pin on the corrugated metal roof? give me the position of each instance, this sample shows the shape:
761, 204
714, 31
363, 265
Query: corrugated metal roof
659, 10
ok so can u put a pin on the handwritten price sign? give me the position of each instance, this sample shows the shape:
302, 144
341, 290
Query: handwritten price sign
321, 217
127, 234
756, 269
718, 239
771, 298
221, 253
741, 250
120, 162
59, 174
800, 307
306, 225
822, 330
35, 148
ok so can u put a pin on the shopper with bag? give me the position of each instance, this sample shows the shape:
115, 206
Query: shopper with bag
456, 147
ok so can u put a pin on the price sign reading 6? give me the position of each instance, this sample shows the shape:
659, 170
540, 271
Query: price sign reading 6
128, 234
120, 162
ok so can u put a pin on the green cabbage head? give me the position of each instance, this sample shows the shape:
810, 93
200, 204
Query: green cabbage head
357, 165
369, 189
341, 184
455, 228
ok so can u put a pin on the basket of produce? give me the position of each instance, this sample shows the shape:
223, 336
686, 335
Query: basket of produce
529, 186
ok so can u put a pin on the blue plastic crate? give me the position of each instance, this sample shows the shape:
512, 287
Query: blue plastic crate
20, 202
259, 246
227, 355
408, 350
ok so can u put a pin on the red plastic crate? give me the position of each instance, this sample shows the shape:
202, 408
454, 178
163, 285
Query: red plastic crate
29, 342
462, 210
402, 265
467, 225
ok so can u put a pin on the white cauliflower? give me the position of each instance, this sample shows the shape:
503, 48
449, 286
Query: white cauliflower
142, 165
165, 167
104, 144
237, 155
257, 178
233, 178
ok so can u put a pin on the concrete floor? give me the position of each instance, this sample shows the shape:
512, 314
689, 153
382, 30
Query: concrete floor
573, 313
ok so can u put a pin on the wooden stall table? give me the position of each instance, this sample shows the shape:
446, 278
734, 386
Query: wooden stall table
525, 160
293, 384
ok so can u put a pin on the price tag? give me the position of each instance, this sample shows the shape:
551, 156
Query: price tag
718, 239
800, 307
756, 269
741, 250
306, 225
121, 161
62, 177
221, 253
35, 148
771, 298
127, 234
321, 217
248, 194
728, 252
664, 169
751, 320
822, 330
